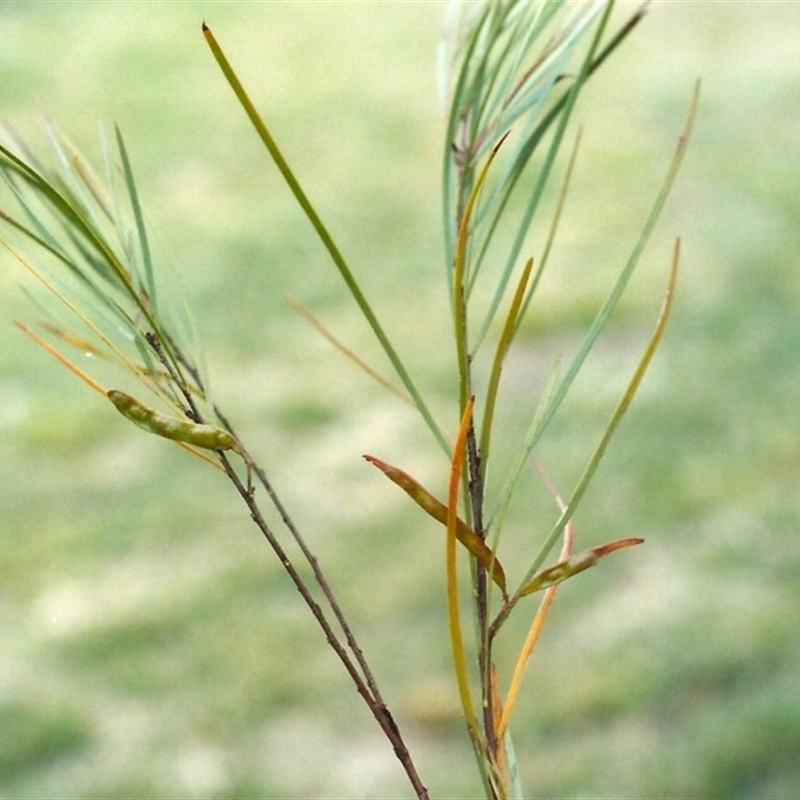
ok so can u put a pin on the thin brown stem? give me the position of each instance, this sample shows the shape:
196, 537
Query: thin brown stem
319, 576
481, 589
358, 670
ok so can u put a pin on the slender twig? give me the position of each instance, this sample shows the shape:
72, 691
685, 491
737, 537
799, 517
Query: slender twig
363, 679
476, 493
360, 671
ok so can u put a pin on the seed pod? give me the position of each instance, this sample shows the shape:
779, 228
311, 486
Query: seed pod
209, 437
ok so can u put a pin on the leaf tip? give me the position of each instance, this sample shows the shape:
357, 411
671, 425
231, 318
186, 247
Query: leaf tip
501, 142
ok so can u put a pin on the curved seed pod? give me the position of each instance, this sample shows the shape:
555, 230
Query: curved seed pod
209, 437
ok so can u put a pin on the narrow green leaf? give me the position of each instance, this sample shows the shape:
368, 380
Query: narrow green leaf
543, 175
70, 216
591, 466
149, 283
540, 423
503, 345
323, 234
92, 244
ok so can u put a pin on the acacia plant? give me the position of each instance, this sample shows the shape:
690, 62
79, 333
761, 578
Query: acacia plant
511, 75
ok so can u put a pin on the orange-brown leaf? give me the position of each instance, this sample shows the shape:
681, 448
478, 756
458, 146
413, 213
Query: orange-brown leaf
438, 510
550, 576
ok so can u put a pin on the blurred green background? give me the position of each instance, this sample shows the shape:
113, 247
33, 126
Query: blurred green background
149, 644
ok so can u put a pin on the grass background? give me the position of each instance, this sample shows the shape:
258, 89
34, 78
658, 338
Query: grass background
150, 647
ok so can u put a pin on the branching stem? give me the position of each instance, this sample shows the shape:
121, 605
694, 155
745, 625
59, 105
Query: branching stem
353, 661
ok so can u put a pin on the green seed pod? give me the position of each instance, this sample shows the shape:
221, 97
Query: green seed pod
209, 437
